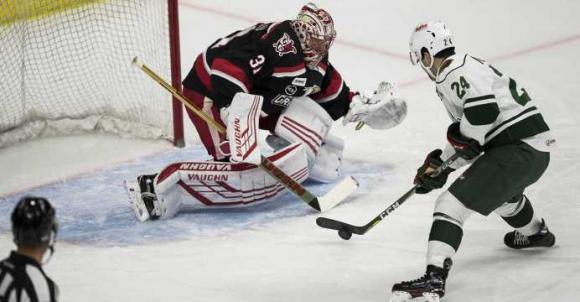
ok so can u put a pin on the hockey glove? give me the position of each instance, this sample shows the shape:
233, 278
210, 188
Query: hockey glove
467, 148
383, 110
423, 178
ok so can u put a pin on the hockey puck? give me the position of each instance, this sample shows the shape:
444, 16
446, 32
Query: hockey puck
344, 234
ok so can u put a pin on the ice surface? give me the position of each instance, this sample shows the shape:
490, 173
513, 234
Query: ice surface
93, 209
275, 252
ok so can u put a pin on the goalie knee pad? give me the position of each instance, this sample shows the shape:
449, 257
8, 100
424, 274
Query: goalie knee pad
328, 161
306, 122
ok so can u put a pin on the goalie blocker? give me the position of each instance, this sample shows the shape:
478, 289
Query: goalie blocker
209, 184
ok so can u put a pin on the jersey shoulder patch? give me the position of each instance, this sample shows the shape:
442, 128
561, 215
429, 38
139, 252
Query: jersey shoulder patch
281, 39
285, 45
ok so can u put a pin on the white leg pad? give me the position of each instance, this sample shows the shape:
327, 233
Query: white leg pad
221, 185
327, 165
306, 122
242, 128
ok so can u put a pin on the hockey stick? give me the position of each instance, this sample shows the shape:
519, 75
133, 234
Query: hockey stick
346, 230
319, 203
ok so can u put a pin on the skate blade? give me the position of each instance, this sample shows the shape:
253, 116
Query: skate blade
136, 202
399, 296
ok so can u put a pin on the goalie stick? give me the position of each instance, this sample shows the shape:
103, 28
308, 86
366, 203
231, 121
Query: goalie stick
346, 230
320, 203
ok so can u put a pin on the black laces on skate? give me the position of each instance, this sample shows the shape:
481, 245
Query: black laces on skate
520, 239
422, 279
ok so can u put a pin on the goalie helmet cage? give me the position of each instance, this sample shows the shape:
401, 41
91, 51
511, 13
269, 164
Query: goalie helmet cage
65, 68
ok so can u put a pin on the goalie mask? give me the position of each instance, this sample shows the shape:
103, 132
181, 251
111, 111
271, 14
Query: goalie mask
432, 37
315, 29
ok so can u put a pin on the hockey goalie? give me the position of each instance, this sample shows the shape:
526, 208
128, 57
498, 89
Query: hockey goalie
276, 77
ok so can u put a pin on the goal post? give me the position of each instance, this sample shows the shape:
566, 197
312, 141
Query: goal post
173, 14
65, 68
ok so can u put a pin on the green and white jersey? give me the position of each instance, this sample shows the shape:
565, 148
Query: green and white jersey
490, 106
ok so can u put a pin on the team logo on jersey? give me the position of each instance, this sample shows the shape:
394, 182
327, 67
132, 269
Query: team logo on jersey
282, 100
285, 45
291, 90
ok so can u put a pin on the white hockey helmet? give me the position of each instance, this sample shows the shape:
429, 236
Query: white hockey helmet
315, 29
434, 36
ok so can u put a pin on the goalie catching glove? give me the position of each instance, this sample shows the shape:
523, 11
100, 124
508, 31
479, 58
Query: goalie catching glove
383, 110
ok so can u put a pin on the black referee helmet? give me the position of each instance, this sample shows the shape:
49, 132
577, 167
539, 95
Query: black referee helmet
34, 222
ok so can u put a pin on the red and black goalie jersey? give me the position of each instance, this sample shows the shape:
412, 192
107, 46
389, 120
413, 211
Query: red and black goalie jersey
266, 59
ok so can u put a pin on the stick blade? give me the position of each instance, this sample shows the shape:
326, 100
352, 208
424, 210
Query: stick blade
339, 193
332, 224
328, 223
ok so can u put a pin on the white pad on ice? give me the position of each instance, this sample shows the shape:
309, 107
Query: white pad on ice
136, 201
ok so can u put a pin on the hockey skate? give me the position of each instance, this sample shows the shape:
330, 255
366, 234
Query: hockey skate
429, 288
142, 198
543, 238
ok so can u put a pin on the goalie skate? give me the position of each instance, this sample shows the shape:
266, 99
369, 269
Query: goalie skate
135, 201
142, 211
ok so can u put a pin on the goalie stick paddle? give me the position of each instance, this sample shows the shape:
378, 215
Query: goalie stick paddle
320, 203
346, 230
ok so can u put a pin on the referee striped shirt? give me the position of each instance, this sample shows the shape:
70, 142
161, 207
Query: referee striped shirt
23, 280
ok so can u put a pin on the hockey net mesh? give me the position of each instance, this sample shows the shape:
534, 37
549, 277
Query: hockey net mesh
65, 67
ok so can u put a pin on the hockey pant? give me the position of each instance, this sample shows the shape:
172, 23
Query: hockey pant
495, 182
208, 184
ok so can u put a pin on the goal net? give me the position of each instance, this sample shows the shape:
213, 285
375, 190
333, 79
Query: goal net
65, 68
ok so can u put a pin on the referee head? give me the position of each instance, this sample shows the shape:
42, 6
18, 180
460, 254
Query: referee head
34, 228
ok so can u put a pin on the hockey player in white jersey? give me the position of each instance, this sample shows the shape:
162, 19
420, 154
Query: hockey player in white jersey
498, 130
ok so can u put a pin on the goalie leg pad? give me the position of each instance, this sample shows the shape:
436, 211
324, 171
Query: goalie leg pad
221, 185
242, 129
327, 165
306, 122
